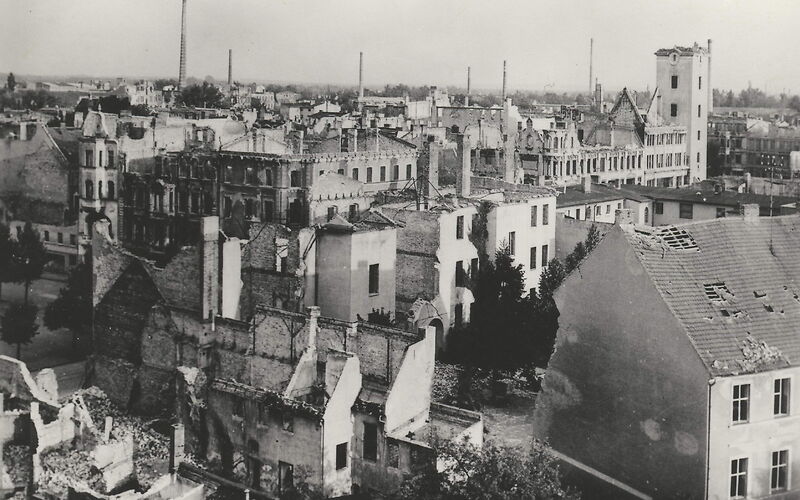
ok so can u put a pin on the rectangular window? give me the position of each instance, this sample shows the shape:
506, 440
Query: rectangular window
739, 478
110, 159
267, 217
89, 159
370, 441
395, 172
720, 212
700, 83
512, 242
332, 211
228, 205
460, 227
369, 174
780, 404
383, 174
698, 110
577, 214
285, 476
545, 215
374, 279
741, 403
659, 208
341, 456
674, 81
60, 237
408, 171
352, 212
238, 407
544, 255
533, 257
673, 110
534, 215
354, 173
698, 135
392, 454
686, 211
460, 278
294, 178
779, 472
47, 236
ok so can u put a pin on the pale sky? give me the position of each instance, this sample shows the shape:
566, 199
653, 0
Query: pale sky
416, 42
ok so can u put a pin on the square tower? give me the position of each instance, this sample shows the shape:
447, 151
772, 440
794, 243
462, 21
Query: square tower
682, 77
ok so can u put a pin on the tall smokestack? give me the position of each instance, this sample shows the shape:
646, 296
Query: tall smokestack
182, 71
504, 81
230, 67
708, 83
469, 85
360, 74
591, 61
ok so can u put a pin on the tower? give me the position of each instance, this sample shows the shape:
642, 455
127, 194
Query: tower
591, 61
469, 85
682, 77
360, 75
230, 67
504, 82
182, 70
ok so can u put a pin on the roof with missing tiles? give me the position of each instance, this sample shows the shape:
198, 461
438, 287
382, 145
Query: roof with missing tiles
734, 285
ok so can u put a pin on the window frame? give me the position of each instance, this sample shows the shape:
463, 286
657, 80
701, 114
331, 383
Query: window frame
370, 454
460, 227
545, 256
341, 456
533, 257
782, 397
740, 403
775, 471
682, 210
739, 477
374, 279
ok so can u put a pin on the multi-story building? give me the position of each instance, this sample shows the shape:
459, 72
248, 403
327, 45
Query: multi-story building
684, 87
754, 146
284, 399
702, 333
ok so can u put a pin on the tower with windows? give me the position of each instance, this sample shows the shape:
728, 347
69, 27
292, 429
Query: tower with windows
682, 76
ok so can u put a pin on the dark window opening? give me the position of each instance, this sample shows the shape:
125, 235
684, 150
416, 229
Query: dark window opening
370, 440
374, 278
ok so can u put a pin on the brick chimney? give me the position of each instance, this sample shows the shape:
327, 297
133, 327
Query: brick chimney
428, 166
464, 177
587, 184
209, 267
750, 212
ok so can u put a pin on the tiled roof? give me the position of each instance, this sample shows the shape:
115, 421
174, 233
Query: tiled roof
575, 195
707, 196
733, 284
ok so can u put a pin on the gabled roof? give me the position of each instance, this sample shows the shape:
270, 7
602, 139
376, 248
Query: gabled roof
733, 284
625, 98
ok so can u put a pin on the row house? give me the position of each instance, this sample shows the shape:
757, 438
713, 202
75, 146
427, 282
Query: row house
703, 371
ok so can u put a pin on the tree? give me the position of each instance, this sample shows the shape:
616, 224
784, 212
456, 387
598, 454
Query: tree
551, 278
19, 325
140, 110
486, 473
29, 257
203, 96
6, 253
72, 308
11, 82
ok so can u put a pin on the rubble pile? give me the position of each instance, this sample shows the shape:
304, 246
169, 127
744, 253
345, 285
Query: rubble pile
64, 466
17, 460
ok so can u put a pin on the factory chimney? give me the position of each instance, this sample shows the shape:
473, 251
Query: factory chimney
591, 61
230, 67
182, 71
469, 85
504, 81
708, 83
360, 75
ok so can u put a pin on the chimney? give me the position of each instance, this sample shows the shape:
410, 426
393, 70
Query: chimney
360, 75
464, 179
509, 172
591, 60
313, 316
708, 83
623, 216
182, 70
428, 167
176, 447
209, 263
469, 85
504, 82
230, 67
587, 184
750, 212
598, 96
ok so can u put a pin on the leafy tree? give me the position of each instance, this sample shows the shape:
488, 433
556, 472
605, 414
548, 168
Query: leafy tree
29, 257
163, 82
11, 82
6, 253
72, 308
551, 278
114, 104
204, 96
491, 472
19, 325
140, 110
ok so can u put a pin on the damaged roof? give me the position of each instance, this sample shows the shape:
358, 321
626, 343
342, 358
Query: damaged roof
734, 285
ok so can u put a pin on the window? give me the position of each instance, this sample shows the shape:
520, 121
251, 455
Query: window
739, 478
267, 217
238, 407
354, 173
460, 227
534, 215
370, 441
646, 215
287, 422
110, 159
369, 174
780, 405
294, 178
720, 212
512, 242
673, 110
61, 237
608, 208
659, 206
89, 159
248, 207
544, 255
698, 110
698, 156
47, 236
374, 278
332, 211
73, 239
473, 268
741, 403
352, 214
383, 174
111, 193
674, 81
460, 278
686, 211
577, 214
285, 476
779, 472
89, 185
228, 204
393, 454
340, 171
408, 171
545, 215
395, 172
699, 82
533, 257
341, 456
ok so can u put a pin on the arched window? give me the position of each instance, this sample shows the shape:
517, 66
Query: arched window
647, 215
100, 189
110, 190
89, 190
